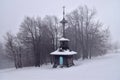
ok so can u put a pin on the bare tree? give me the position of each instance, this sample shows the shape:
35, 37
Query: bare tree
38, 36
88, 37
52, 23
30, 35
14, 49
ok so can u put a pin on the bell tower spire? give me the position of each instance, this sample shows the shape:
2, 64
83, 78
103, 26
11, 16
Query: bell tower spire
63, 56
63, 21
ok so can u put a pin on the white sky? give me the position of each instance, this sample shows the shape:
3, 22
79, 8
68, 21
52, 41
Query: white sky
12, 12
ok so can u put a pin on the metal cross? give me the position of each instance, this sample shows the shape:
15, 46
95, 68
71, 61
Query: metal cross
63, 11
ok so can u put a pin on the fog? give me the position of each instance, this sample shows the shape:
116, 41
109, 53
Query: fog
12, 12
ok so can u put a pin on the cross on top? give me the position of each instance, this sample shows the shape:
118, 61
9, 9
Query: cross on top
63, 21
63, 11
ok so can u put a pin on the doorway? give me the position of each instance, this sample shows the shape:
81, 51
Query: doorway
61, 60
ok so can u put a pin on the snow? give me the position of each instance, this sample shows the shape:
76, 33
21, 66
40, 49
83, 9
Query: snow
101, 68
66, 52
63, 39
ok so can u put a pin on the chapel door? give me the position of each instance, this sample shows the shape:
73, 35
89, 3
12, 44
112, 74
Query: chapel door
61, 60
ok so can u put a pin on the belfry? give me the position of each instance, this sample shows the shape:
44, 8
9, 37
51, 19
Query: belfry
63, 56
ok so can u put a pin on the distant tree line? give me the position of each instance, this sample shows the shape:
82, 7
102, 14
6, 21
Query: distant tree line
37, 37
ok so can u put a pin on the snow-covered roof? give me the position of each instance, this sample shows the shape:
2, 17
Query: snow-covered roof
63, 39
66, 52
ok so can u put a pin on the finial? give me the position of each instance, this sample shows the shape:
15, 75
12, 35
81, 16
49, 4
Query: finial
63, 21
63, 11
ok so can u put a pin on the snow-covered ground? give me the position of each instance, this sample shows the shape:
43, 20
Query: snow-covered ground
101, 68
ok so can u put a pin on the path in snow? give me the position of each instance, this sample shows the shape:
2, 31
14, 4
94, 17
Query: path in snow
101, 68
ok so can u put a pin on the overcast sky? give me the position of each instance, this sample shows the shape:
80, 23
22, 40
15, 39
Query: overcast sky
12, 12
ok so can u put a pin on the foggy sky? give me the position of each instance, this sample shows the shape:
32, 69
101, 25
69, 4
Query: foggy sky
12, 12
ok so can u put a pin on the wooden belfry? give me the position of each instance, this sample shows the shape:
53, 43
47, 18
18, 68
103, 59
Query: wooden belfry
63, 56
